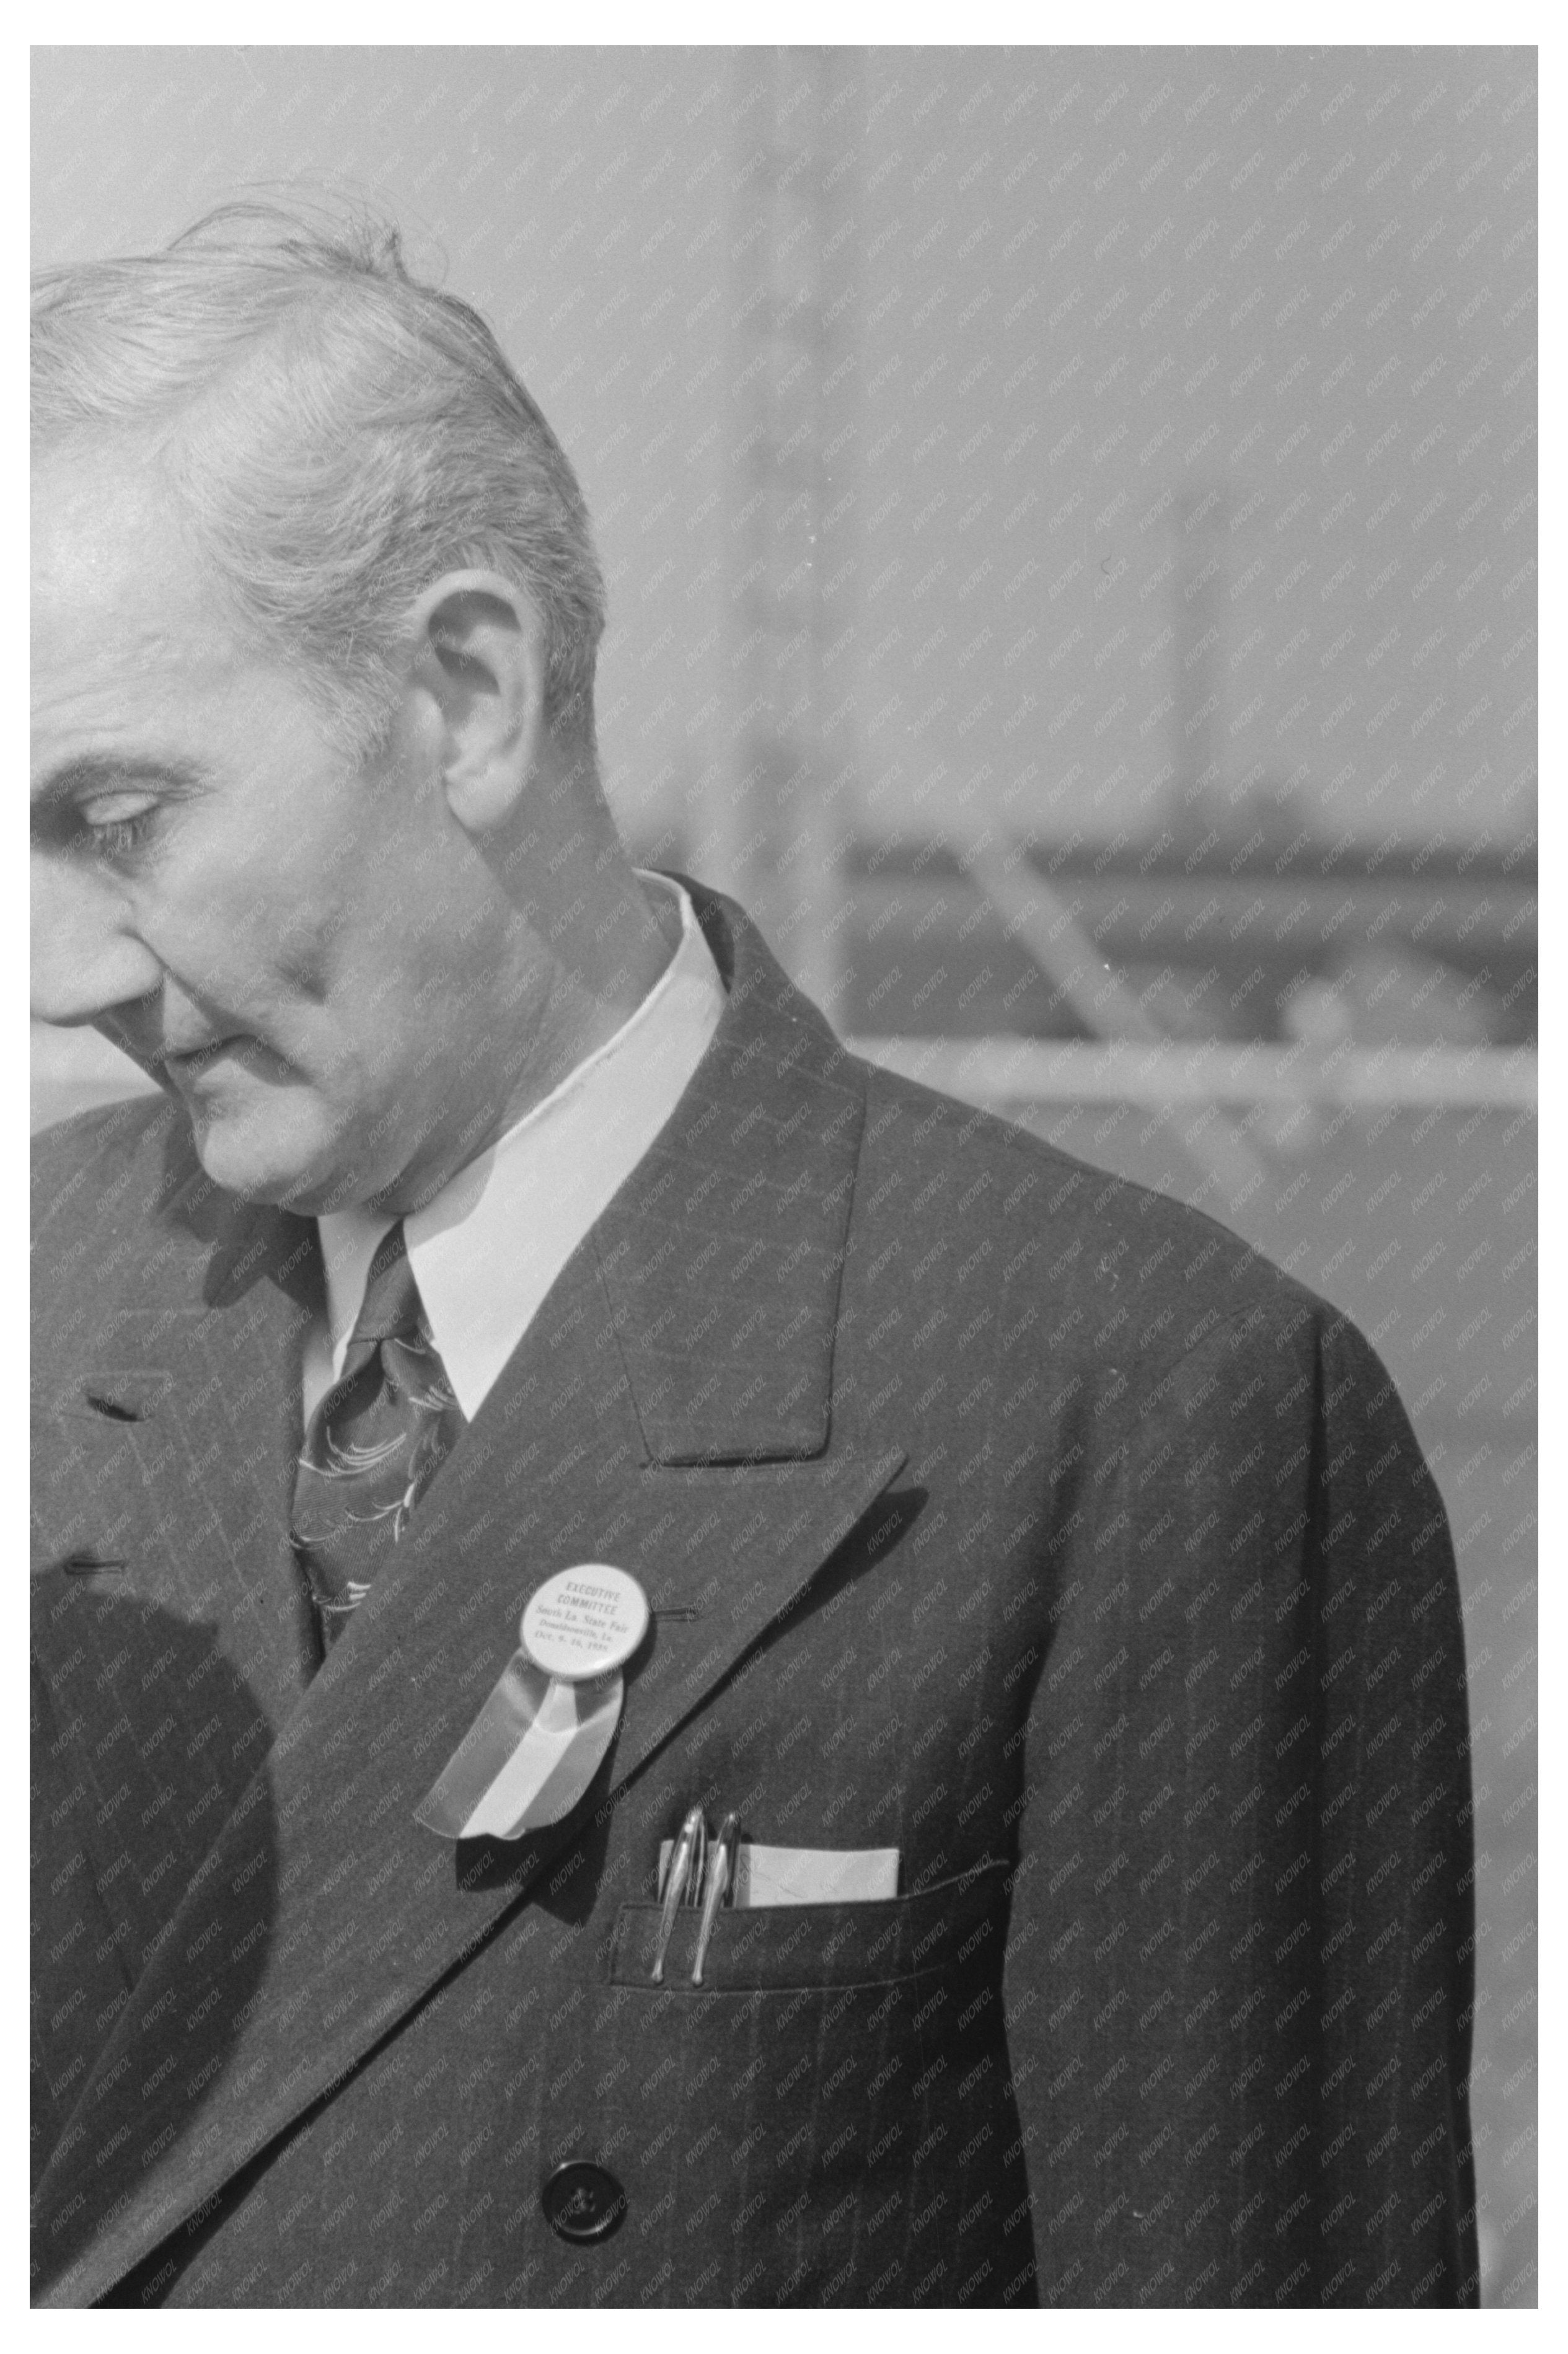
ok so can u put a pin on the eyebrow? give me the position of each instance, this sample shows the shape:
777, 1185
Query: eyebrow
97, 772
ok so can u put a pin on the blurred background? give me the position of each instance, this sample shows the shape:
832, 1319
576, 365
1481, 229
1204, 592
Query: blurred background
1070, 526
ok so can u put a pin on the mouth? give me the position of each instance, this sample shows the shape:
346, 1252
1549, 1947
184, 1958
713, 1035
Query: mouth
186, 1064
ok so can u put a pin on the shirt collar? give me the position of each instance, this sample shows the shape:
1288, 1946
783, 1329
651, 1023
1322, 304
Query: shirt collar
486, 1249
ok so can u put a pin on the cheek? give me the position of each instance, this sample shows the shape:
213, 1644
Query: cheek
302, 923
305, 964
250, 943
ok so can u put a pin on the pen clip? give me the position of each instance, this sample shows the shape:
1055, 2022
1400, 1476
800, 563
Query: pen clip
720, 1881
692, 1894
681, 1858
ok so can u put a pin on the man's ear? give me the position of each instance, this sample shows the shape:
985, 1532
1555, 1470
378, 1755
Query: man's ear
477, 657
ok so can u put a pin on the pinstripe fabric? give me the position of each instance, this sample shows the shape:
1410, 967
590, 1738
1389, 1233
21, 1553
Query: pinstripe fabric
988, 1508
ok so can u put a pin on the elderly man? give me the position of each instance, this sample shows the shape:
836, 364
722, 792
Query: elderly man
666, 1669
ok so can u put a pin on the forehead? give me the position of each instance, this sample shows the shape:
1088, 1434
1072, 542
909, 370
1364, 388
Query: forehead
129, 628
112, 565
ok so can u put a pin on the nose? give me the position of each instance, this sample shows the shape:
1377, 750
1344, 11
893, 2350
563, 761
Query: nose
87, 956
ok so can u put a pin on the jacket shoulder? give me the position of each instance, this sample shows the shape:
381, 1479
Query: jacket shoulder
82, 1167
105, 1186
1062, 1223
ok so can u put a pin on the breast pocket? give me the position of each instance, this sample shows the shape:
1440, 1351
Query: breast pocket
784, 1947
800, 2111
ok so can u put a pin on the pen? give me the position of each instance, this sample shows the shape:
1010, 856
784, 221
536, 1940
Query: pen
691, 1831
721, 1873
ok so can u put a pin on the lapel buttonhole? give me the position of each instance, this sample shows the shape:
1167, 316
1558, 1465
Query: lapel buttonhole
112, 1409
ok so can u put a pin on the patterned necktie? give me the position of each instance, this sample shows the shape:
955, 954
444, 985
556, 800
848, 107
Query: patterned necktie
375, 1442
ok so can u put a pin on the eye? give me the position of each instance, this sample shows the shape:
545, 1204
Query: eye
117, 822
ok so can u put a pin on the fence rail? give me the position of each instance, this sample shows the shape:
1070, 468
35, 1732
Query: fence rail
1001, 1070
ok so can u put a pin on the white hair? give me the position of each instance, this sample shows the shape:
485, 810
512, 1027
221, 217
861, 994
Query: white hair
338, 434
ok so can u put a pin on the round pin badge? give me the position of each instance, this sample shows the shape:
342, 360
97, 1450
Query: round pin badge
585, 1622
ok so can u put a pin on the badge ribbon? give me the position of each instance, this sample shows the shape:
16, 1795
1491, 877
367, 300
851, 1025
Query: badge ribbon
543, 1734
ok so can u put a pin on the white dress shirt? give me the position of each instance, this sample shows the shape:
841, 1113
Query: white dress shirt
486, 1249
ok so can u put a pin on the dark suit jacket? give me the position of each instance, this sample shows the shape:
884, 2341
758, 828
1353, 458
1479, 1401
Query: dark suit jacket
988, 1506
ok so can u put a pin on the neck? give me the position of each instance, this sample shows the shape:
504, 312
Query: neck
562, 1001
614, 953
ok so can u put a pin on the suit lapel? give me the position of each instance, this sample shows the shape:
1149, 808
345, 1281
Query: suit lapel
724, 1256
669, 1411
184, 1396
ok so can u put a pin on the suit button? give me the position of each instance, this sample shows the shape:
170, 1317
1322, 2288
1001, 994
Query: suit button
582, 2200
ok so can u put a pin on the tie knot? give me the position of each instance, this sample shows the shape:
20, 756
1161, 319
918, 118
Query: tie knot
390, 1309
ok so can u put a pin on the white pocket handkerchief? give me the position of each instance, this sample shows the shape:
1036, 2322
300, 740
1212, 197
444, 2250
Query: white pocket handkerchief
805, 1875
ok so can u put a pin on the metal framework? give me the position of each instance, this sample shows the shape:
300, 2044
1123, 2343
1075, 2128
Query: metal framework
775, 809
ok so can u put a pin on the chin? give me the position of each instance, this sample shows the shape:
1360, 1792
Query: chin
262, 1155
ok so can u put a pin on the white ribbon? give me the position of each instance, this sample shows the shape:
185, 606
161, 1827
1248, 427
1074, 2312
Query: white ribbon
530, 1755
